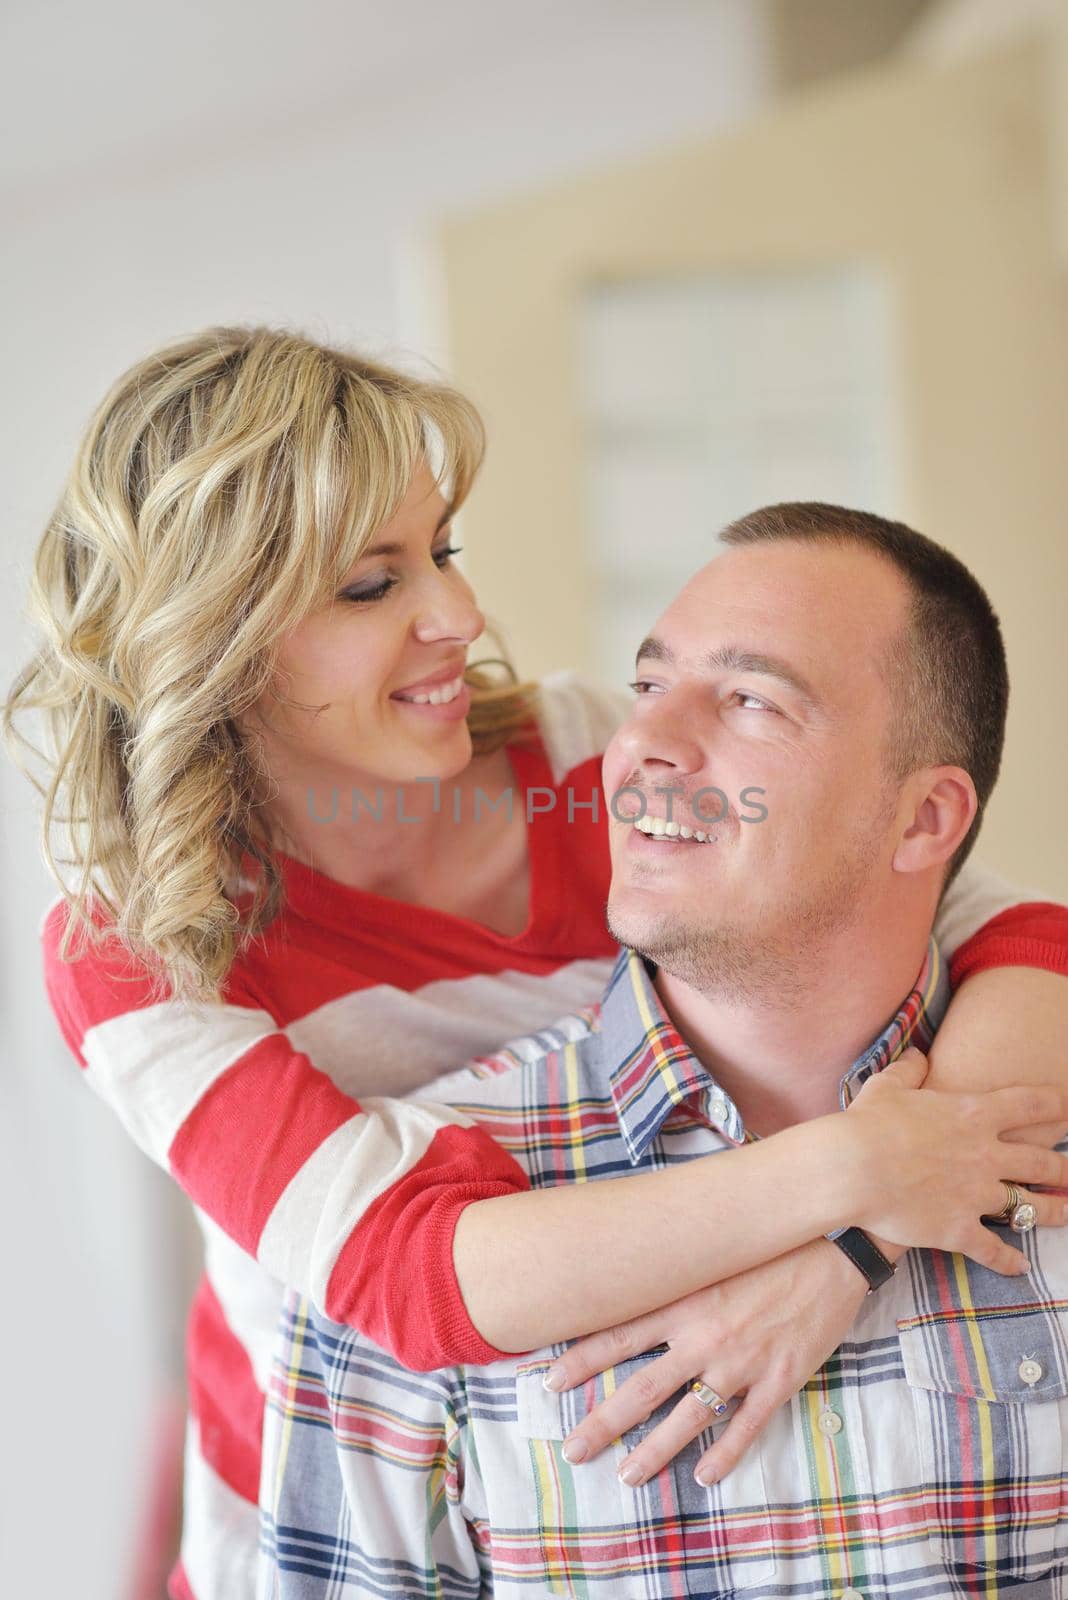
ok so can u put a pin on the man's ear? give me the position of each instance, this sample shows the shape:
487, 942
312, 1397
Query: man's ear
940, 807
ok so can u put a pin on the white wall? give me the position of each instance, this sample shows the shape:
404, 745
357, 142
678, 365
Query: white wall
315, 208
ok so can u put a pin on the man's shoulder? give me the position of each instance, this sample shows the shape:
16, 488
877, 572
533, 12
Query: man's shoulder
498, 1079
353, 1365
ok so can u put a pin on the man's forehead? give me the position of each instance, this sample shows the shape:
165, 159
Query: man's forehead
809, 606
801, 585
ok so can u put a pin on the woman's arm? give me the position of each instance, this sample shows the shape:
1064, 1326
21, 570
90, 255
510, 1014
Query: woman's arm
1006, 1024
1008, 1020
762, 1333
357, 1204
765, 1331
325, 1192
902, 1165
981, 924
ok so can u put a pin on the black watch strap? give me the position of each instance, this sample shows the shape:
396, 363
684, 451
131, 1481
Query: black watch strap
864, 1254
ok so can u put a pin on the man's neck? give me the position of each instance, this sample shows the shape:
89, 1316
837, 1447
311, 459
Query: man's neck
782, 1064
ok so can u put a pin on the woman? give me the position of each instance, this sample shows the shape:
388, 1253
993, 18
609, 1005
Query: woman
301, 888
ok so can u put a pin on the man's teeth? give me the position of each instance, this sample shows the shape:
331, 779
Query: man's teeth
658, 828
437, 697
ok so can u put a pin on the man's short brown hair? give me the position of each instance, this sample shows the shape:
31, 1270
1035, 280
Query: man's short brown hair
947, 671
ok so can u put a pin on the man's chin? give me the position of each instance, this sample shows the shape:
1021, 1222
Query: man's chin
651, 933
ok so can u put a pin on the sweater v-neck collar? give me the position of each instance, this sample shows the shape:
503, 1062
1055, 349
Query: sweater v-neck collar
324, 900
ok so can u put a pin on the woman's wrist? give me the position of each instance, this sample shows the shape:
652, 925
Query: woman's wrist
820, 1171
841, 1148
849, 1177
860, 1165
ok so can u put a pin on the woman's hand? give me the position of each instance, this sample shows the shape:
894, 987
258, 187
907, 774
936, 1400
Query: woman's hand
933, 1164
760, 1335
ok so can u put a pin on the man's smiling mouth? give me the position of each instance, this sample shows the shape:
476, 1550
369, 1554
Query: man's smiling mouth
675, 832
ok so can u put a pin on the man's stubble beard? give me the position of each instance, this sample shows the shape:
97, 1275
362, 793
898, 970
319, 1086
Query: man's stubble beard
770, 957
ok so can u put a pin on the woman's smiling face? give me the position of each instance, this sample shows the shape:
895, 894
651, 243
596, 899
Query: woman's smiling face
377, 674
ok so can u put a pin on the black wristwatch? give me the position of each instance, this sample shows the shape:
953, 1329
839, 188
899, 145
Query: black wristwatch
864, 1254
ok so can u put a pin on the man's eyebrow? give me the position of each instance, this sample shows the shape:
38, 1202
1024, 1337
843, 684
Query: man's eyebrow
733, 658
392, 549
654, 649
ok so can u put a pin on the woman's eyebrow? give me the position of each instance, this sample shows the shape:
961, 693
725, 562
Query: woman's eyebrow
734, 658
390, 548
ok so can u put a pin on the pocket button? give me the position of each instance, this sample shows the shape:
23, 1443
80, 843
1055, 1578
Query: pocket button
851, 1594
1030, 1371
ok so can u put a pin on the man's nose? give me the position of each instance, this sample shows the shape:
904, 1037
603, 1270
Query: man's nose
663, 738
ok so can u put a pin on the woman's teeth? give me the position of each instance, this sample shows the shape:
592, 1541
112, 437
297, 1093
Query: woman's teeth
657, 828
436, 697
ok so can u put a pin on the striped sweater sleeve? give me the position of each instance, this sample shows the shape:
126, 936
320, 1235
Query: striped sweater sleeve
984, 921
353, 1202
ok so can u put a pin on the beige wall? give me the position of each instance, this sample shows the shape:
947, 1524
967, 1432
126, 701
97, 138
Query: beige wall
943, 177
1059, 125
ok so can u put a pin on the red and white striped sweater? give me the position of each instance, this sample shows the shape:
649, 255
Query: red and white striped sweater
280, 1114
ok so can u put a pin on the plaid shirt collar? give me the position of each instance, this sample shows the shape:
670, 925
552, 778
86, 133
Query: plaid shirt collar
652, 1070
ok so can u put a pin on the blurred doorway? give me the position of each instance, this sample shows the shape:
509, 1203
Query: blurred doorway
928, 194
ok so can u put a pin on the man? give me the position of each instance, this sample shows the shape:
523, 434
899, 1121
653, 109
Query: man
850, 675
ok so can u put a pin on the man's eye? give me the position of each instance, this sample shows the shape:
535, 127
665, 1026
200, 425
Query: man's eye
756, 702
643, 686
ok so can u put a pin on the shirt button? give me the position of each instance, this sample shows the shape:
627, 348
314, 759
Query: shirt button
830, 1422
851, 1594
718, 1109
1030, 1371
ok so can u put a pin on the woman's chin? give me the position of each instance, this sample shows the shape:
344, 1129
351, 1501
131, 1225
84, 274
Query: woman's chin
444, 756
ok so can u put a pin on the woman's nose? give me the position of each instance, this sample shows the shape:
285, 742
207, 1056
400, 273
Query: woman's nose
449, 611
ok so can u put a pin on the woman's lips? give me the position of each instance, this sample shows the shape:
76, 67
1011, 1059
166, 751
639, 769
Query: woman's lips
453, 710
436, 691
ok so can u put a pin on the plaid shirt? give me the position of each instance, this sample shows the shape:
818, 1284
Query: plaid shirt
924, 1459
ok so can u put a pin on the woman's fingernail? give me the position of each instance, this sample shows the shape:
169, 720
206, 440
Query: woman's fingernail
553, 1379
630, 1474
705, 1477
574, 1451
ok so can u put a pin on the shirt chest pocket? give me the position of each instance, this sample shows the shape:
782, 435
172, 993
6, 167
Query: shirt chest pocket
597, 1537
989, 1392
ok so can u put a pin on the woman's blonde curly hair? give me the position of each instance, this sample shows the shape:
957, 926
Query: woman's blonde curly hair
222, 491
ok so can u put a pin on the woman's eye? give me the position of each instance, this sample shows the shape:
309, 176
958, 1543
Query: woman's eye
370, 591
380, 588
